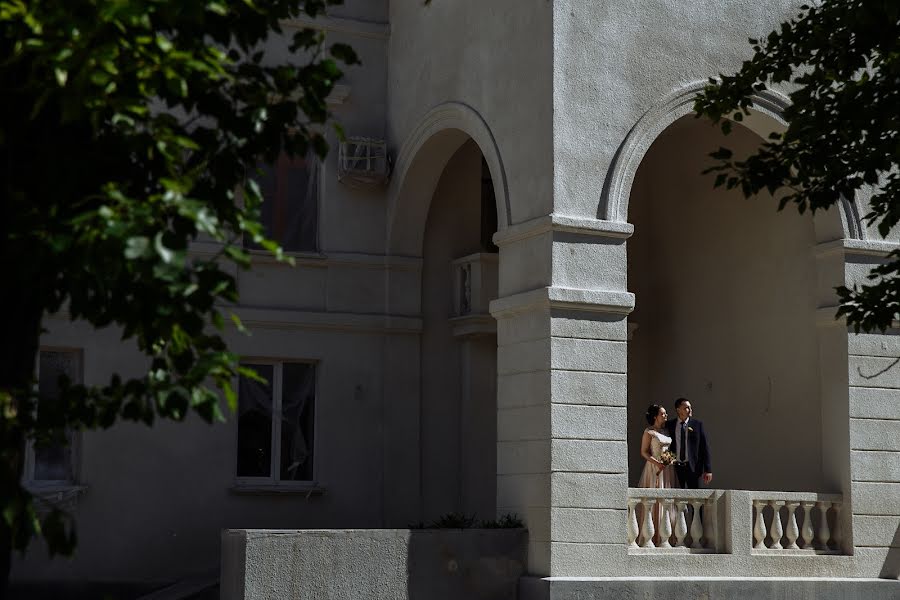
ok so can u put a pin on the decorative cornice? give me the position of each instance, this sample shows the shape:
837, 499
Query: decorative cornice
565, 224
355, 27
596, 301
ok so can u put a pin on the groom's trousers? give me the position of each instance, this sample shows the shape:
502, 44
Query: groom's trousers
687, 477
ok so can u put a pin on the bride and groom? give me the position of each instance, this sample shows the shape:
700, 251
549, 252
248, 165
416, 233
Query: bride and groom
676, 450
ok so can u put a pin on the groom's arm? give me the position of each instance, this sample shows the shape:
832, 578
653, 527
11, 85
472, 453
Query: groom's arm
705, 460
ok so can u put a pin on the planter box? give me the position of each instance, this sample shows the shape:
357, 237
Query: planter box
372, 564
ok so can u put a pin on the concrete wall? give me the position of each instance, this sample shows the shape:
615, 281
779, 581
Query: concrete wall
390, 564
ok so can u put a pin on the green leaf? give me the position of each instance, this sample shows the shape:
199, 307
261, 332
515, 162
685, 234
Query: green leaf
238, 323
137, 247
167, 255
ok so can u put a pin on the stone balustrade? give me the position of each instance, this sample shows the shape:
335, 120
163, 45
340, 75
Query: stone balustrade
709, 521
672, 521
796, 522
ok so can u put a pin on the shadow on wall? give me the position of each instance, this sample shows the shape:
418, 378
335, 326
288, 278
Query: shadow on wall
466, 564
891, 567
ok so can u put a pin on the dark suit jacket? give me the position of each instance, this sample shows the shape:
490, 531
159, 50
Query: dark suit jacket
697, 445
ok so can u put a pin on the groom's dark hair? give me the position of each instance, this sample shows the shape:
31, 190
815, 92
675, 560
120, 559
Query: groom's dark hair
680, 401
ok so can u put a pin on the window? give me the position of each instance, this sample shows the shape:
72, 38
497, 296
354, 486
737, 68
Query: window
54, 466
276, 423
290, 208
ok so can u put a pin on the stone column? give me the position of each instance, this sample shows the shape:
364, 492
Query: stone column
561, 392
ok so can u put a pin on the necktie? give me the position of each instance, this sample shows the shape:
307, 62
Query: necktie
683, 441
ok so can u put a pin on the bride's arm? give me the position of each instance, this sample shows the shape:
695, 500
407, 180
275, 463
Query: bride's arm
645, 450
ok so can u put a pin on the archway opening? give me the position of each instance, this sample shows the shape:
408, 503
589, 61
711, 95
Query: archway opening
726, 299
459, 343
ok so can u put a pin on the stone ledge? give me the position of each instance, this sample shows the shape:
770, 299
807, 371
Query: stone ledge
859, 248
713, 588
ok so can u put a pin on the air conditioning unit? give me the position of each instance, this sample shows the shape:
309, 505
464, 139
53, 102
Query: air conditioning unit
363, 162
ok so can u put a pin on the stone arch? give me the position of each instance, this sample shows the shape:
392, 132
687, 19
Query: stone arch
421, 161
767, 115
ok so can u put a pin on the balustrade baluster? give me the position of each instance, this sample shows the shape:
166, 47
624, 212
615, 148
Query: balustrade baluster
665, 523
792, 531
806, 541
759, 529
838, 534
776, 530
680, 523
696, 525
824, 530
633, 530
708, 524
648, 530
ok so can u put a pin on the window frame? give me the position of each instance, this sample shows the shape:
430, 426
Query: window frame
51, 486
274, 482
316, 166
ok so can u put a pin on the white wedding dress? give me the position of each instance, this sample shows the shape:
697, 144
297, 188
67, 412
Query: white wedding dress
652, 477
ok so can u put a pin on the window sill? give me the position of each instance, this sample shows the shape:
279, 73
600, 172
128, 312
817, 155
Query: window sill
61, 496
278, 489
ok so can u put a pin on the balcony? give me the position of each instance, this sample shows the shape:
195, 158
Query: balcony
675, 521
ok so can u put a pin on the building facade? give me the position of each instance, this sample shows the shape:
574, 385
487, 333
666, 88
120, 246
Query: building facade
483, 332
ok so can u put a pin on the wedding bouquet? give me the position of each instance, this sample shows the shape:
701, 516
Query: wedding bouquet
668, 458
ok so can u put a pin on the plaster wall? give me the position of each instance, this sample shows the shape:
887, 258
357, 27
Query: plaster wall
157, 498
494, 57
614, 62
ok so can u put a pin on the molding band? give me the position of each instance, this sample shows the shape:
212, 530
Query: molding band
563, 223
262, 318
854, 247
595, 301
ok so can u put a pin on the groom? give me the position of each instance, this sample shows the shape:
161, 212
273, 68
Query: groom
690, 446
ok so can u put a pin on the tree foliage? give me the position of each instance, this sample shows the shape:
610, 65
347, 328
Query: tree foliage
841, 58
129, 130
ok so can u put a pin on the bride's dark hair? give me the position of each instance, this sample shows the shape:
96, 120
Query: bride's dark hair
652, 413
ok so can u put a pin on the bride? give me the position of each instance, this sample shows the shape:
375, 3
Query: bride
656, 473
654, 443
